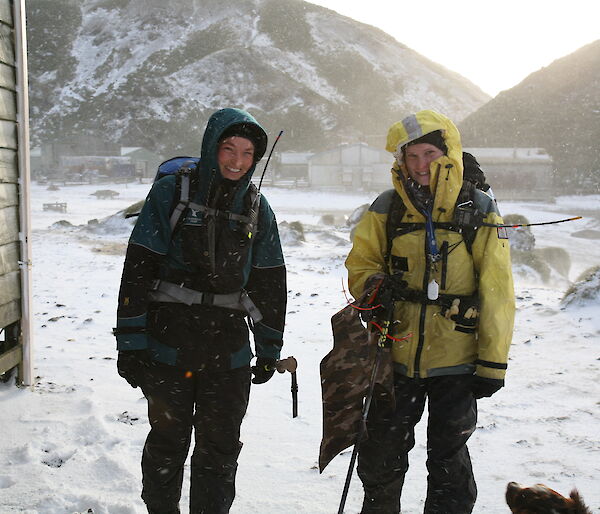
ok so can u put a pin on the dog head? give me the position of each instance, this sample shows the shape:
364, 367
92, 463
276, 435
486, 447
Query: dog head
540, 499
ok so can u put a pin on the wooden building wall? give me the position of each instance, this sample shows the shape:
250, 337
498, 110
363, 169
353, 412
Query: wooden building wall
15, 244
10, 289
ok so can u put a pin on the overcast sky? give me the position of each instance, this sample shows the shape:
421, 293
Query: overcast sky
495, 44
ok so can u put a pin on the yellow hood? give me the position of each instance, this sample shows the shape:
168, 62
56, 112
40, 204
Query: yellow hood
446, 172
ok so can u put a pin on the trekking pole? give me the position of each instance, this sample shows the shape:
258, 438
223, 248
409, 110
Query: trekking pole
532, 224
290, 364
381, 343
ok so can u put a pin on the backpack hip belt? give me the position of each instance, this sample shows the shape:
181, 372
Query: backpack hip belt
169, 292
443, 300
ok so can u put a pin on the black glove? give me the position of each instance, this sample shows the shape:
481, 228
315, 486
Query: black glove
485, 387
264, 369
464, 312
131, 366
383, 290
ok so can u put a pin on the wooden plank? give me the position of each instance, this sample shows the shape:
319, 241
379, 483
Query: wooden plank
8, 104
8, 77
9, 313
9, 258
8, 166
7, 45
9, 195
11, 358
8, 134
6, 13
9, 225
10, 287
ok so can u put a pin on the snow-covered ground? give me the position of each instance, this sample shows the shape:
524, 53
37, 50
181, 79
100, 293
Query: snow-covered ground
73, 441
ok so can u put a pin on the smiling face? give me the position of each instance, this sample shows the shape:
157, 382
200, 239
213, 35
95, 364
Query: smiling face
418, 158
235, 157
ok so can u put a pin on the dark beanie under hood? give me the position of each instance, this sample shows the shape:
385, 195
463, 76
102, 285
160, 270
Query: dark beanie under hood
249, 131
434, 138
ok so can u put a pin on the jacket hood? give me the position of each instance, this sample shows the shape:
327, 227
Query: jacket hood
221, 121
446, 171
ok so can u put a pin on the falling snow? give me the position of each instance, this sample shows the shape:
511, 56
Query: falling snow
73, 442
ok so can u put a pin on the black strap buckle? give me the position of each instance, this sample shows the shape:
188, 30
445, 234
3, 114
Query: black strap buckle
208, 298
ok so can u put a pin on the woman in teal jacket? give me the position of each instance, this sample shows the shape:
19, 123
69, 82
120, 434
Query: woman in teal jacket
182, 330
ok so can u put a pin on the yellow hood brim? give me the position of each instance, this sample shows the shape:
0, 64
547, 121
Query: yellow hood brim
417, 125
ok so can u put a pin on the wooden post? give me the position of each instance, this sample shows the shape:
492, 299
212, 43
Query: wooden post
26, 335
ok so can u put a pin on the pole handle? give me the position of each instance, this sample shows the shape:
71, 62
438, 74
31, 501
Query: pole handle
289, 364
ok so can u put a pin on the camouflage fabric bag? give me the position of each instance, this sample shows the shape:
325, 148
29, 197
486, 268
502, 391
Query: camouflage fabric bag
345, 375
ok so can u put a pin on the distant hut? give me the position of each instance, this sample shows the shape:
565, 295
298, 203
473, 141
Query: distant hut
49, 159
516, 173
293, 165
145, 161
356, 166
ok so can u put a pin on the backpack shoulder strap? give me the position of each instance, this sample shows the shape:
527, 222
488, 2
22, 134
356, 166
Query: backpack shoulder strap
466, 194
184, 186
254, 195
466, 214
254, 202
396, 212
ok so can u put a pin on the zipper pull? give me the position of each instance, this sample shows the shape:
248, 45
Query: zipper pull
433, 290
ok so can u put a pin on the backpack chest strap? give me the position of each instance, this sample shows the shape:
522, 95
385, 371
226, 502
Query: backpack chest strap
225, 215
406, 227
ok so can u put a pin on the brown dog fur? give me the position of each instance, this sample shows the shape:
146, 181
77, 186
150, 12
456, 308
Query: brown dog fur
540, 499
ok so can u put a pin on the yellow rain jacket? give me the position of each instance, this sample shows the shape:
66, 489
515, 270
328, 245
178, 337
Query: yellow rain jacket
436, 345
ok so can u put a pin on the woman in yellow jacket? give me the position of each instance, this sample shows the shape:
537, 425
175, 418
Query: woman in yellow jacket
453, 314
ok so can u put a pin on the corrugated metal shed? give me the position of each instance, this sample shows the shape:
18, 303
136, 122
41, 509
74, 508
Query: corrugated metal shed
517, 173
351, 166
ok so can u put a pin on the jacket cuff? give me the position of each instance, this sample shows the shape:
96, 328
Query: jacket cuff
133, 341
131, 333
268, 348
494, 370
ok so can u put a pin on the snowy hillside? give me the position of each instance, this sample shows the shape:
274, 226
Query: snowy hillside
555, 108
148, 73
73, 442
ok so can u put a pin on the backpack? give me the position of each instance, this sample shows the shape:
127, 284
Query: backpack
467, 219
473, 173
183, 168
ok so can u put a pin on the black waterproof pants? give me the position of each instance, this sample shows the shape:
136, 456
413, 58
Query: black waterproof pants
383, 457
213, 403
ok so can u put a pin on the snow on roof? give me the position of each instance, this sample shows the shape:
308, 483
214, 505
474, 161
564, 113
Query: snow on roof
128, 149
295, 157
345, 147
